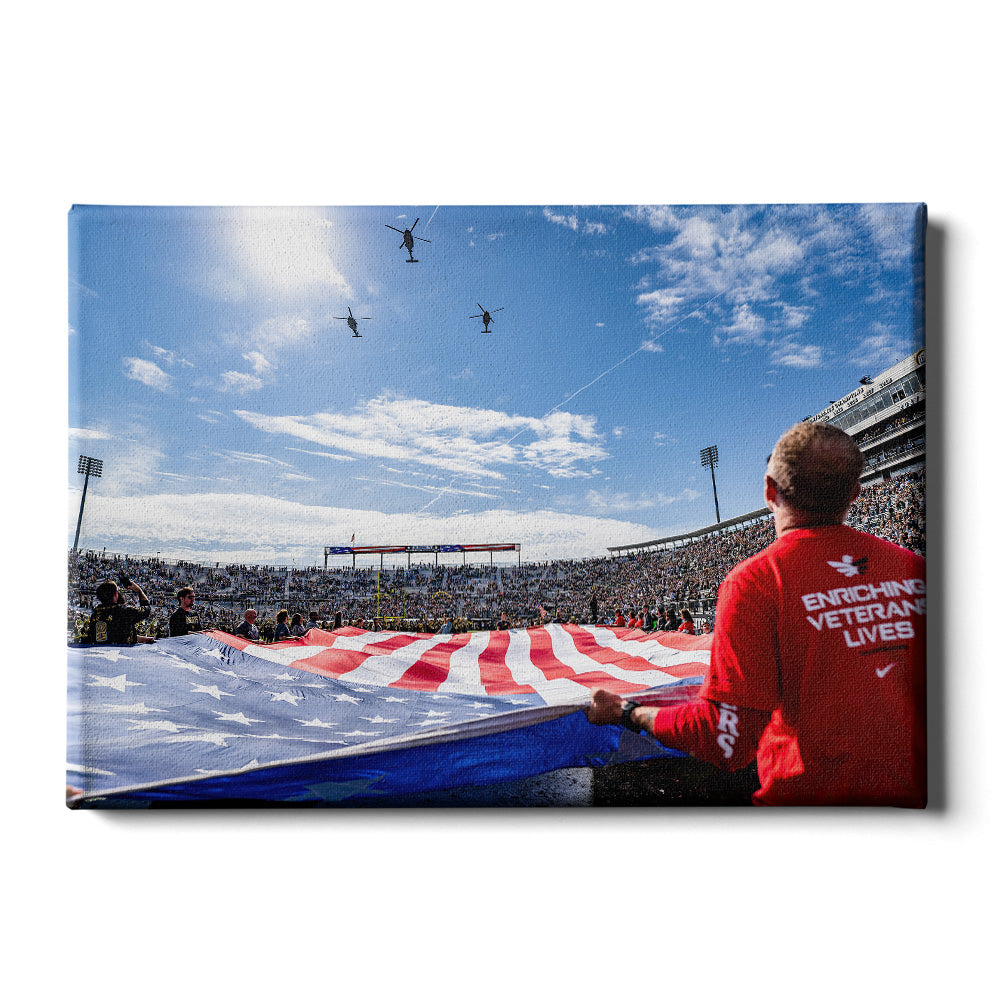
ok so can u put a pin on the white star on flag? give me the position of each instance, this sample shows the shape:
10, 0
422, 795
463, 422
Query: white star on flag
210, 689
118, 683
113, 655
238, 717
292, 699
219, 739
170, 727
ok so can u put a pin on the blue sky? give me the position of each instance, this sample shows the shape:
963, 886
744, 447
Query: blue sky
238, 420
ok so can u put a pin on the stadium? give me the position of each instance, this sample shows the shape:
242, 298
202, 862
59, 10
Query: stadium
887, 419
666, 574
451, 651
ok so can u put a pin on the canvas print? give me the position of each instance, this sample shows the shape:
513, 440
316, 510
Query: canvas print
396, 506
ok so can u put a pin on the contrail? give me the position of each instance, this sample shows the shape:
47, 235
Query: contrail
627, 357
583, 388
428, 222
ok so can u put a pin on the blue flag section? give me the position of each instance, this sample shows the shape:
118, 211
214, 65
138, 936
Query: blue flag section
351, 717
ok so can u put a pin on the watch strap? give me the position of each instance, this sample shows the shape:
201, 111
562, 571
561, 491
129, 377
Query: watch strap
626, 719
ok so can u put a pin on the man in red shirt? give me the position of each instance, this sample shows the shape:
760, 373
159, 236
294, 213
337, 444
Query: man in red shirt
818, 656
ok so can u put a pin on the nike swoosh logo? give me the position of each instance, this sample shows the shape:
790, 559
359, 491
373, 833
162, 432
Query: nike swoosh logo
882, 671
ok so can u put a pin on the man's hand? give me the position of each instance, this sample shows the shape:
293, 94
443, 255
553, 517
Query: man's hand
605, 708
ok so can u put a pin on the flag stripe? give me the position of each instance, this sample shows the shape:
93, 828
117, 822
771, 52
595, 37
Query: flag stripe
213, 715
495, 670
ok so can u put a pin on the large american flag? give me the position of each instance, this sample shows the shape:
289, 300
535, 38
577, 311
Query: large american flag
340, 717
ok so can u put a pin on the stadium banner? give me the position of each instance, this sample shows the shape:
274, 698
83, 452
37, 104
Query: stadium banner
351, 717
347, 550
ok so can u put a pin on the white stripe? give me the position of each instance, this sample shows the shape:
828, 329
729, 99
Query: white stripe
284, 657
562, 690
464, 676
383, 668
650, 651
564, 647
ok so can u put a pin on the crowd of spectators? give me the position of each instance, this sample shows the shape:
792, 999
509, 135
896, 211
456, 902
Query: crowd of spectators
909, 416
421, 597
894, 510
876, 458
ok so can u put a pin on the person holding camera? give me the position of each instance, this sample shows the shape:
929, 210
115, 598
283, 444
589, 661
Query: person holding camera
113, 622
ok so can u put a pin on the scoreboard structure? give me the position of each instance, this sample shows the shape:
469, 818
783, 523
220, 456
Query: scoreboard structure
381, 550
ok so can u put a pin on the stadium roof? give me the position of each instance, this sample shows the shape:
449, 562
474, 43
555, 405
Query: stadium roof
698, 533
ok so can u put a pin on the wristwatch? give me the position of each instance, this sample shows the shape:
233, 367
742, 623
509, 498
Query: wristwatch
626, 719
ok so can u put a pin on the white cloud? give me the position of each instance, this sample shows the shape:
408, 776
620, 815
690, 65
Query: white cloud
798, 355
169, 357
657, 217
893, 232
652, 346
212, 527
462, 440
325, 454
606, 502
132, 460
746, 326
437, 490
569, 221
573, 222
660, 304
88, 434
882, 348
239, 382
733, 266
147, 373
796, 316
258, 362
249, 456
280, 331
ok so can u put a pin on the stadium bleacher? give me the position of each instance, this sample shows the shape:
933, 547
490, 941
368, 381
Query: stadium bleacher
418, 598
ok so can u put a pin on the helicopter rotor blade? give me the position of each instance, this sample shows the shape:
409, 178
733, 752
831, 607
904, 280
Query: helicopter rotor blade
387, 226
414, 226
500, 310
421, 238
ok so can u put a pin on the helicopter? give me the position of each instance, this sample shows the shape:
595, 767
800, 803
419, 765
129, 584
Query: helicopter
485, 317
408, 239
351, 321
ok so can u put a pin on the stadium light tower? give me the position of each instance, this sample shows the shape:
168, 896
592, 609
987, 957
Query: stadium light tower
88, 467
710, 457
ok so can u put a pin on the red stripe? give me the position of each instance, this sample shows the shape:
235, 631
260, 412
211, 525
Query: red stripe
544, 658
432, 669
335, 662
693, 669
493, 669
588, 646
669, 640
